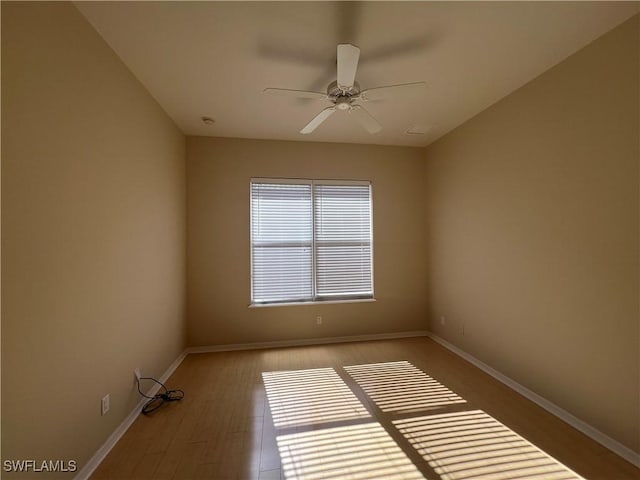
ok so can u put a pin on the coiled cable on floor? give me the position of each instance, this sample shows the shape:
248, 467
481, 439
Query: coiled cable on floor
159, 399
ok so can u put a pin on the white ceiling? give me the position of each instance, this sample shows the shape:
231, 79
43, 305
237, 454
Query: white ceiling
215, 58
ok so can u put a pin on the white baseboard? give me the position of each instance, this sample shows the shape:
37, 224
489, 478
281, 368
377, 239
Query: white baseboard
585, 428
603, 439
305, 342
102, 452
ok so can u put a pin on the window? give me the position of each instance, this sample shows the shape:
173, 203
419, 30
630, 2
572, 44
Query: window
311, 240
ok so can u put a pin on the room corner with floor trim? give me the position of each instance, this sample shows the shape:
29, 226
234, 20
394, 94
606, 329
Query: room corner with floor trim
578, 424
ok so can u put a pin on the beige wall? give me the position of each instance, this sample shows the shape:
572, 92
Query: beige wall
530, 238
218, 174
533, 240
93, 235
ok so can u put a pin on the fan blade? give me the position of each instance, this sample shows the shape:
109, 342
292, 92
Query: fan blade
379, 93
318, 119
295, 93
369, 123
348, 56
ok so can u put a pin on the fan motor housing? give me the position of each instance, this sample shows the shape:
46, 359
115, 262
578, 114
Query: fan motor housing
334, 92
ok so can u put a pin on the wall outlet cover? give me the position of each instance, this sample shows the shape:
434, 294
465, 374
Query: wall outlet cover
105, 404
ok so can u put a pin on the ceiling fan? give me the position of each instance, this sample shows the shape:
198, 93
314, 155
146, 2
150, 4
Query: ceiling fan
345, 92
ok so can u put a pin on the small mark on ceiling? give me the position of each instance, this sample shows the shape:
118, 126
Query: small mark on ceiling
418, 129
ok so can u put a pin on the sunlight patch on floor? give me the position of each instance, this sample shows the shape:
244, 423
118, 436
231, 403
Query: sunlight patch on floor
474, 445
401, 387
352, 452
310, 397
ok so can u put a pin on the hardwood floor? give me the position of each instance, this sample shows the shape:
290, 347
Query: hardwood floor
386, 420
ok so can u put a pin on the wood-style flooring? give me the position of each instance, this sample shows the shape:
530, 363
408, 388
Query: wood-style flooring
404, 408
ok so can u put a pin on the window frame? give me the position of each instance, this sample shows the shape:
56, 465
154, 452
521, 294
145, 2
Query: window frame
315, 299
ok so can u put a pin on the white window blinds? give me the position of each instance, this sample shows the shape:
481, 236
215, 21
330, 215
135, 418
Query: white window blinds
342, 240
282, 241
310, 240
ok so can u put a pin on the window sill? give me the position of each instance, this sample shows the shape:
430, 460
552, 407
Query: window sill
323, 302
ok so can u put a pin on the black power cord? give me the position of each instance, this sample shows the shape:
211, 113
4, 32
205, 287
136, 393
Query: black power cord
159, 399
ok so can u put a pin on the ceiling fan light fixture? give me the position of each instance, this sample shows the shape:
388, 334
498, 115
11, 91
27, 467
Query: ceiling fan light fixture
343, 103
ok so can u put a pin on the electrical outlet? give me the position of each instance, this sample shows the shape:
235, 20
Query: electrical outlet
105, 404
443, 320
137, 373
319, 320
